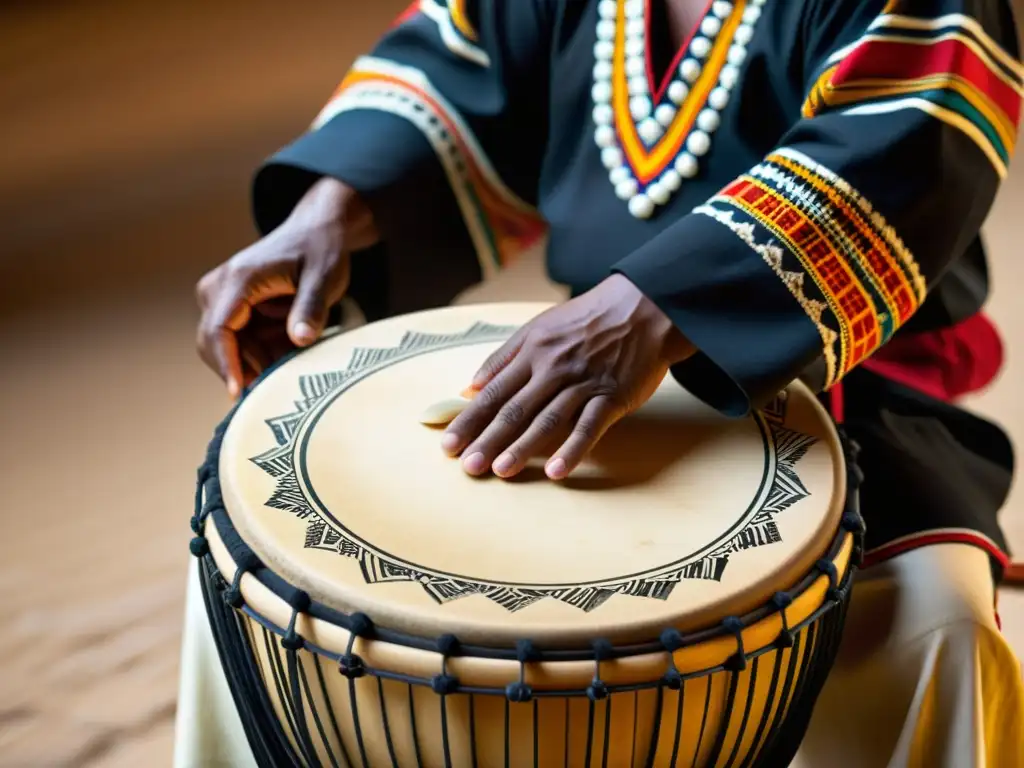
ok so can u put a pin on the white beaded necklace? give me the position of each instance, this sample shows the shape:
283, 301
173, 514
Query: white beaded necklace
651, 121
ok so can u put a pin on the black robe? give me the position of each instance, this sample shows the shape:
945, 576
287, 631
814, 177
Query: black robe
801, 182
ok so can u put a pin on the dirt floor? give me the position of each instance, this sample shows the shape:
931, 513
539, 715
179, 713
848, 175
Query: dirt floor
129, 132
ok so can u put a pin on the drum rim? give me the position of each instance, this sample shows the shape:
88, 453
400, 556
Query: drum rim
209, 502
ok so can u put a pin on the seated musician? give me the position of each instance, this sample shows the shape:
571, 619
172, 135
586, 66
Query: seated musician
739, 193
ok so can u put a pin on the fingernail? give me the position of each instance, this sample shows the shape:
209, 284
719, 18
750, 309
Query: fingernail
304, 332
450, 441
504, 463
475, 464
233, 389
556, 469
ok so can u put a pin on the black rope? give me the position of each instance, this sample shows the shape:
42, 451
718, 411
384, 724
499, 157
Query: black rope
444, 685
828, 568
521, 692
352, 667
386, 723
249, 687
781, 601
738, 661
292, 643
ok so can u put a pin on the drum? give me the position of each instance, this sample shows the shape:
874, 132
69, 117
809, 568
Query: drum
677, 601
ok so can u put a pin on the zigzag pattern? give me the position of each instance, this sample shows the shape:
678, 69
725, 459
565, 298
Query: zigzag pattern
278, 462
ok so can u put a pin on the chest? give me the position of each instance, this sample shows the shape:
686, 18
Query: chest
655, 105
682, 18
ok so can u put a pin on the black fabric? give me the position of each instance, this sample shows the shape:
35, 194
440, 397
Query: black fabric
927, 465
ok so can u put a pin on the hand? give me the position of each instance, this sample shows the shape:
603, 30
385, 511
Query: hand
576, 368
275, 295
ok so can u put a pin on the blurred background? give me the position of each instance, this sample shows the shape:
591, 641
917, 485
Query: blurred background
128, 135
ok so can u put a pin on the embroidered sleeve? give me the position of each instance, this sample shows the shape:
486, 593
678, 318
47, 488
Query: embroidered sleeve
829, 245
440, 129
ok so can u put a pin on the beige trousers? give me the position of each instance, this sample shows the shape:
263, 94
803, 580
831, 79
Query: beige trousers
924, 679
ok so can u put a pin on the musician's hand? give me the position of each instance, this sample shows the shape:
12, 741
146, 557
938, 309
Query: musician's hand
275, 295
577, 368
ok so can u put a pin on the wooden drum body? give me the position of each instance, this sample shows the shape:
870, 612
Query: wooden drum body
678, 601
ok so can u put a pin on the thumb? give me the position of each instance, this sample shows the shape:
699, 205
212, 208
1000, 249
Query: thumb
317, 290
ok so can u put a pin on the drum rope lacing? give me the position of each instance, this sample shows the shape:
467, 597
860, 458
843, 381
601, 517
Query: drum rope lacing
209, 503
273, 748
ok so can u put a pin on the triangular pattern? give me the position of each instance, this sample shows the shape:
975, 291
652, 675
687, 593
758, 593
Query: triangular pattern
786, 488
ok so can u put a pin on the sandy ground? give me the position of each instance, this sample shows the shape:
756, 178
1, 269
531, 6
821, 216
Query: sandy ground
129, 134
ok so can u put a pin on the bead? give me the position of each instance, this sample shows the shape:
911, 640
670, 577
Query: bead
737, 55
518, 693
671, 180
611, 157
700, 47
711, 26
678, 91
626, 189
658, 193
607, 9
686, 165
690, 70
637, 86
603, 114
641, 206
604, 136
601, 92
759, 2
635, 9
721, 8
751, 14
597, 691
606, 30
718, 98
640, 107
603, 70
744, 34
619, 175
698, 143
636, 67
199, 547
635, 47
665, 114
708, 120
671, 640
351, 667
673, 680
636, 28
729, 77
650, 130
604, 50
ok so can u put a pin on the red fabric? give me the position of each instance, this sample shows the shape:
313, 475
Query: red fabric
945, 364
927, 539
407, 14
890, 60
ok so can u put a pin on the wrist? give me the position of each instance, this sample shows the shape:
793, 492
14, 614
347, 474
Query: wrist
332, 205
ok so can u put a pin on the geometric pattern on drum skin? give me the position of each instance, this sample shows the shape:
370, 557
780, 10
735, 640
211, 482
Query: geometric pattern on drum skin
317, 390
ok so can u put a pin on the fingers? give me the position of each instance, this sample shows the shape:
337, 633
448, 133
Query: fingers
511, 419
217, 343
483, 409
555, 419
498, 360
321, 283
598, 415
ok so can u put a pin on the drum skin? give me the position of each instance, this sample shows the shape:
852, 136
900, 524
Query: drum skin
678, 601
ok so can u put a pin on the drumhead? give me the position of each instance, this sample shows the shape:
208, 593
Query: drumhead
679, 518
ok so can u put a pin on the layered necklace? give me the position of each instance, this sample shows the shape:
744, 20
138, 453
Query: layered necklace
651, 140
